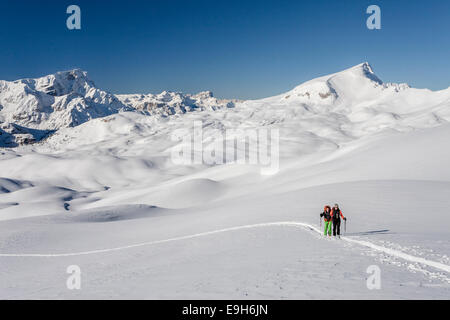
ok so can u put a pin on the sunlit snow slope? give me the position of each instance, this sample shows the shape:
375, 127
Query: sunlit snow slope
106, 195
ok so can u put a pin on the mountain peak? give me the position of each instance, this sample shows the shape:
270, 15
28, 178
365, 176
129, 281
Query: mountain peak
73, 74
77, 75
352, 84
64, 82
204, 95
363, 69
365, 66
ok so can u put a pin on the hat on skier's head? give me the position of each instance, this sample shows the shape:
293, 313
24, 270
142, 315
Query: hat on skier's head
336, 205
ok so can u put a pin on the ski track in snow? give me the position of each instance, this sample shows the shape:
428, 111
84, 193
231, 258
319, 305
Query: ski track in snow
389, 251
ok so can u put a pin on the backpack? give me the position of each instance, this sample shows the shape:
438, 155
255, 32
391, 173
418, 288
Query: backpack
327, 215
337, 214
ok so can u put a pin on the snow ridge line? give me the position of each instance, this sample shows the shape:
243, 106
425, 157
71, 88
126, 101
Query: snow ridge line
392, 252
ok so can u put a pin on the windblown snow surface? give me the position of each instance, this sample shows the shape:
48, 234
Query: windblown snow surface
107, 196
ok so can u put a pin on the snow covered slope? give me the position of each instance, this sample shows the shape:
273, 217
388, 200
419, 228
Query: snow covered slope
106, 195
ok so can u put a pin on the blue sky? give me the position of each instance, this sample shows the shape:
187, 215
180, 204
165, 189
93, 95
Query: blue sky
237, 49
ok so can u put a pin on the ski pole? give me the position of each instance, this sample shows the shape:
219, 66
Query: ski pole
345, 226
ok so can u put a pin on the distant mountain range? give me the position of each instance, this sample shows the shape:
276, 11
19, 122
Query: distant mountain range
31, 109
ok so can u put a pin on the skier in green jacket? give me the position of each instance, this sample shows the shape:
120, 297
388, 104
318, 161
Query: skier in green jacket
326, 214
